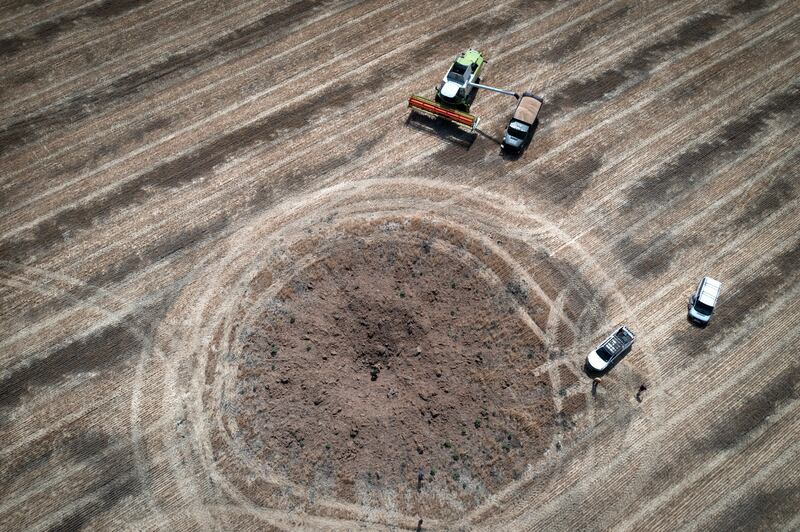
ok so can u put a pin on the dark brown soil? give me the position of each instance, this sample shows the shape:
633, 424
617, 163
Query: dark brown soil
566, 376
390, 355
574, 404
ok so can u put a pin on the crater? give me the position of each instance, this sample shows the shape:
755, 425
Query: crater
393, 367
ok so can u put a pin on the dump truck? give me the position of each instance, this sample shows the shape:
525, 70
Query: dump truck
456, 92
520, 129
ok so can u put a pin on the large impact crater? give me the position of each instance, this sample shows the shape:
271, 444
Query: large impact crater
392, 352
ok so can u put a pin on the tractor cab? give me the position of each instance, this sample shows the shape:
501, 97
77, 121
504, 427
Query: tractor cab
458, 73
456, 87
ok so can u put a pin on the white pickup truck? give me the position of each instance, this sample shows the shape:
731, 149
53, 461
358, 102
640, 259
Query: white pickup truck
611, 349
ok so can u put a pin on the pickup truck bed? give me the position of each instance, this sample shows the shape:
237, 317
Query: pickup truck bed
616, 344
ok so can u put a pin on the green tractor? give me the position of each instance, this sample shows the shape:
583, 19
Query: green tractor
457, 91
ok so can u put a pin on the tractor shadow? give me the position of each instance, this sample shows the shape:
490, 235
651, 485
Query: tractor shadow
441, 128
485, 135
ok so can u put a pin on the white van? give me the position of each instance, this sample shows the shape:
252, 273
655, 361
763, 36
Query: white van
702, 303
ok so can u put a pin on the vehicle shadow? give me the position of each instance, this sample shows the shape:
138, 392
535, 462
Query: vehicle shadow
488, 136
441, 128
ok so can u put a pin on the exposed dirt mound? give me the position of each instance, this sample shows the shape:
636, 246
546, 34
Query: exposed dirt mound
393, 355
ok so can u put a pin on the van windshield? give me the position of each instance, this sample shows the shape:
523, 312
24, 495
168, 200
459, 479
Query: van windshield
702, 308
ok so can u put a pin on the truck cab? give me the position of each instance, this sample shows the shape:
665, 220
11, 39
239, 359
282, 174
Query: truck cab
520, 129
703, 301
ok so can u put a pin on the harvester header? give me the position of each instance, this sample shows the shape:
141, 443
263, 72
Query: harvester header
430, 107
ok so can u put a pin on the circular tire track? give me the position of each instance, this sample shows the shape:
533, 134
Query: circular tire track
186, 382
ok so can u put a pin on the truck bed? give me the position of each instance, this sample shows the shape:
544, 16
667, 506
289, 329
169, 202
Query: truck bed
619, 342
527, 110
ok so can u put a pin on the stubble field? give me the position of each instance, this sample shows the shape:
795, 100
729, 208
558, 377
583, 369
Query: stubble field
241, 289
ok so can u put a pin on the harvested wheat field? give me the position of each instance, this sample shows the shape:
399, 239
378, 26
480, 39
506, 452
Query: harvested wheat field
243, 288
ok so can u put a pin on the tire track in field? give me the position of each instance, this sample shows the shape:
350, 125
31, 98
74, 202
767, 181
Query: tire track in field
77, 108
784, 300
45, 31
248, 100
628, 454
206, 500
370, 205
204, 157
